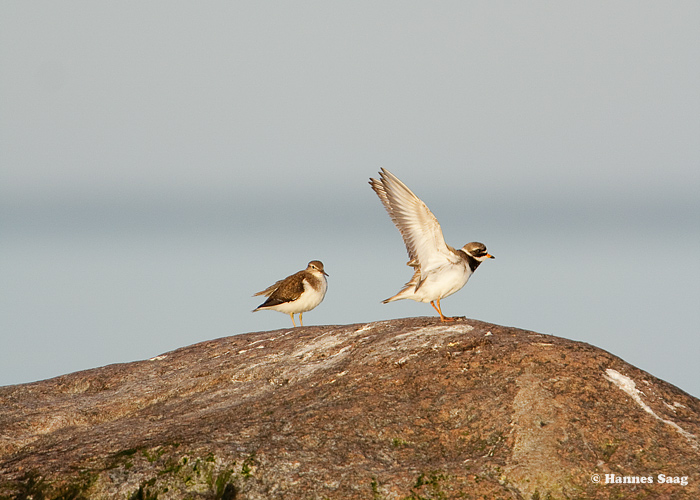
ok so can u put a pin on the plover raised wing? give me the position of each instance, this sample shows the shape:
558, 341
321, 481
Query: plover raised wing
439, 269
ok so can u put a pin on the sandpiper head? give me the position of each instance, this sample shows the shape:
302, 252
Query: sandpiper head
316, 265
477, 250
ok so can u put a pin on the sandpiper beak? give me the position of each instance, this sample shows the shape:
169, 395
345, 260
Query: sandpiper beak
490, 256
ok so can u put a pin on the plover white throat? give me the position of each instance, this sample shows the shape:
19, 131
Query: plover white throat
439, 269
297, 293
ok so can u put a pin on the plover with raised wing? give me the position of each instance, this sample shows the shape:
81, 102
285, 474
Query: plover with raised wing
439, 269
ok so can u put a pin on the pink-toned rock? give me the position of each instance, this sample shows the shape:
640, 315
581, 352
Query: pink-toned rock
400, 409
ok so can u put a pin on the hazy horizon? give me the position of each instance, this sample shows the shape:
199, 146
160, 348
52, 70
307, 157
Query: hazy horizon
161, 162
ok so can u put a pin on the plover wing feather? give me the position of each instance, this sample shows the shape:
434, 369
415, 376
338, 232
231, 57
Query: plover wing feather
418, 226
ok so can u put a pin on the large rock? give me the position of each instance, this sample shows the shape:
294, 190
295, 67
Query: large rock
402, 409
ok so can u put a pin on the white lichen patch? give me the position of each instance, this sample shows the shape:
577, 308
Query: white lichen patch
251, 344
435, 335
670, 407
404, 360
320, 345
158, 358
628, 386
448, 329
367, 327
221, 354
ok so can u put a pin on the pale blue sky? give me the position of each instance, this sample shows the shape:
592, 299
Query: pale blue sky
161, 162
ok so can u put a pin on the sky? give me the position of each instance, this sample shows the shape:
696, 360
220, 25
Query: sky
160, 162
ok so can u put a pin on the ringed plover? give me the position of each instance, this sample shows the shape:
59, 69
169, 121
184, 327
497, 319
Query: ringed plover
439, 269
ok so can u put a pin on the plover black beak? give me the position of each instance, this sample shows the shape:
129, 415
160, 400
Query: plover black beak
490, 256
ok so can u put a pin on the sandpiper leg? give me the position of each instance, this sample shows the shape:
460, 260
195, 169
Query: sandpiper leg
300, 322
291, 315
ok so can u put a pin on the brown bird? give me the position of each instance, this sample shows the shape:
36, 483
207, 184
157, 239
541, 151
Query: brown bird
297, 293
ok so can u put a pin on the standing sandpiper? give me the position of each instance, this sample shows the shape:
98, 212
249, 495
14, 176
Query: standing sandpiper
439, 269
297, 293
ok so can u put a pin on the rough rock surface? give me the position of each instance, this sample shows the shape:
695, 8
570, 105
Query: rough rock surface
402, 409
